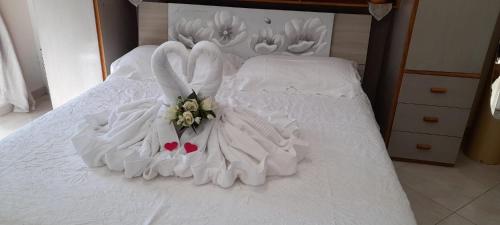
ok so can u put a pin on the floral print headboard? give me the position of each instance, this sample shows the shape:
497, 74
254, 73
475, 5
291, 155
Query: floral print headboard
250, 32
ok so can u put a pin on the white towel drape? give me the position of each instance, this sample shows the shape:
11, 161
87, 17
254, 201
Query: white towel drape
13, 92
237, 144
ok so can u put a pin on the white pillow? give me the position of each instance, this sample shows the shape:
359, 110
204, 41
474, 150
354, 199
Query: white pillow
135, 64
299, 75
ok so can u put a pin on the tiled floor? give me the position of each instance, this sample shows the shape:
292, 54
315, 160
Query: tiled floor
10, 122
467, 194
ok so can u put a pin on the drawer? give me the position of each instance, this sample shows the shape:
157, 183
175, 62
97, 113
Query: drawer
424, 147
438, 90
431, 119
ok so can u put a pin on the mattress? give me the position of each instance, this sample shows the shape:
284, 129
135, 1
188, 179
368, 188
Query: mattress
346, 178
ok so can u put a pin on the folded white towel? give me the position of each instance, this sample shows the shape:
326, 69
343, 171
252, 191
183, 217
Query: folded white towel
199, 70
172, 79
114, 133
242, 145
238, 144
204, 69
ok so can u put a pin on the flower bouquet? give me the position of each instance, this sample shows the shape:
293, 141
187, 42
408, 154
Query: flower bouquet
191, 111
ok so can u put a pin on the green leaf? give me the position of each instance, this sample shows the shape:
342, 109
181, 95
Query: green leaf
193, 95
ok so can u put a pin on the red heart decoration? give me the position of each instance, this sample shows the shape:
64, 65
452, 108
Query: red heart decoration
170, 146
190, 147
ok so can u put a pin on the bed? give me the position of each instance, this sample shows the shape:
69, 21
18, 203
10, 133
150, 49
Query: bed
346, 178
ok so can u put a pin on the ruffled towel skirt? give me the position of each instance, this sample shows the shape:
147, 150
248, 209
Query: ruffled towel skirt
238, 144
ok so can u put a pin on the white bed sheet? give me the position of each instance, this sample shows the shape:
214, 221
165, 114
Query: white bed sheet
346, 178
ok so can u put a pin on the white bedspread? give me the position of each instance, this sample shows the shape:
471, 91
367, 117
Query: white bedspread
346, 178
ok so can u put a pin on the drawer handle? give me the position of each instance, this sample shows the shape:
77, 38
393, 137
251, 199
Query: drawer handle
438, 90
430, 119
424, 147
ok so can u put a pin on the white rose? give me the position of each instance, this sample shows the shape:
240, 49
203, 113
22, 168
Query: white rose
188, 118
197, 120
207, 104
172, 112
210, 116
190, 105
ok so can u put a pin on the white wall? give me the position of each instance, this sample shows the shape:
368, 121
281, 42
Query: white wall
68, 39
17, 18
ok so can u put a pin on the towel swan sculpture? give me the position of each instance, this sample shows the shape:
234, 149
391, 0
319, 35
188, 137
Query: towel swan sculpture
237, 144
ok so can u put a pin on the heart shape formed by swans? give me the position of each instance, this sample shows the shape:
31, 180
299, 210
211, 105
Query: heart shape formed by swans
198, 70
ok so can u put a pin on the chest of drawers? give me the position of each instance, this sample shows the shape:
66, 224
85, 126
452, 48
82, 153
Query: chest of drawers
431, 117
430, 77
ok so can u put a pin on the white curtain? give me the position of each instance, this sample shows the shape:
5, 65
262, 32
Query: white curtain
13, 92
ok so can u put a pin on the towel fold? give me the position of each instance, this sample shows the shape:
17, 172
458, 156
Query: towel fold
139, 140
244, 146
172, 82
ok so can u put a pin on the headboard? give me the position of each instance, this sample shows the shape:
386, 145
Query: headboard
348, 38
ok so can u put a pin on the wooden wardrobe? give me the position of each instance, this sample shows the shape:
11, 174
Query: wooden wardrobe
431, 75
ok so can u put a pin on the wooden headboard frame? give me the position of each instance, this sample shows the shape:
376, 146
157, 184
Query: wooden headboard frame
356, 36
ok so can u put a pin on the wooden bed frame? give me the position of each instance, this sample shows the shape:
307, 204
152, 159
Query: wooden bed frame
372, 54
336, 6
